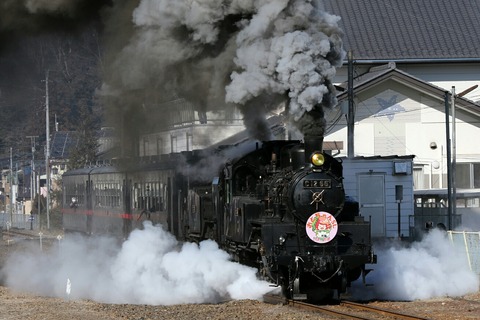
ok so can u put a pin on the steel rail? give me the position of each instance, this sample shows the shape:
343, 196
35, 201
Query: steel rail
330, 310
397, 315
324, 310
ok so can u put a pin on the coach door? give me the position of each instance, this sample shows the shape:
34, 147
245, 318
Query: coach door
371, 191
127, 206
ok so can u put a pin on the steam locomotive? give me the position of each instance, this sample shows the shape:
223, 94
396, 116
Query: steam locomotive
280, 207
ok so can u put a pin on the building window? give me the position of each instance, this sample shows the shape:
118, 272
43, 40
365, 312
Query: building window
189, 141
173, 142
467, 175
476, 175
159, 146
462, 175
419, 178
145, 146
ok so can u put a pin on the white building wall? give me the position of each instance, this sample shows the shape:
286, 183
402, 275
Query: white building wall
392, 123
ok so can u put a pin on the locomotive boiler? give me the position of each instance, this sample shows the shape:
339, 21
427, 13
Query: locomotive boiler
280, 208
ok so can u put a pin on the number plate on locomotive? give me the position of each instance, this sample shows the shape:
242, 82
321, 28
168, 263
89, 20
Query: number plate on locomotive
318, 183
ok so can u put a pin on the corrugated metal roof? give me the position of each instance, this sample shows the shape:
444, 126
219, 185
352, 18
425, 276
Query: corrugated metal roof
443, 192
392, 157
409, 29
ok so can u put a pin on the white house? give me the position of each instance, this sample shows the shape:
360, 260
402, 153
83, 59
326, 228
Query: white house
430, 47
398, 114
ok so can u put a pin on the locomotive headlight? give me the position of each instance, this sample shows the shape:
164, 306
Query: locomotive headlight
318, 159
281, 240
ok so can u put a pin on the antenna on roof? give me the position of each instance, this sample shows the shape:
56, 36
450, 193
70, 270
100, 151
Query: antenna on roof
461, 94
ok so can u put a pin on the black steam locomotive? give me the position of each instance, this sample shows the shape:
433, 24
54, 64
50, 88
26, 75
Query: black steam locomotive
280, 208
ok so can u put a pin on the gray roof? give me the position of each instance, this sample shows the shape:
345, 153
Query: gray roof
409, 29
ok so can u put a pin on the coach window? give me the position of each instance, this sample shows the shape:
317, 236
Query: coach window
148, 192
143, 196
104, 194
140, 196
112, 194
135, 196
163, 196
97, 195
156, 196
109, 195
117, 195
80, 191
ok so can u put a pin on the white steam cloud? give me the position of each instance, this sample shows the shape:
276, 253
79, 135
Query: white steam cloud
151, 267
427, 269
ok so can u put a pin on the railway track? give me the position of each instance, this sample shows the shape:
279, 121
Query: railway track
380, 311
345, 310
12, 235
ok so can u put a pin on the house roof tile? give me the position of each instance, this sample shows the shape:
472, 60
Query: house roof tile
409, 29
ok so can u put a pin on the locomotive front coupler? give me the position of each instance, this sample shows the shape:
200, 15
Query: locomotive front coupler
316, 264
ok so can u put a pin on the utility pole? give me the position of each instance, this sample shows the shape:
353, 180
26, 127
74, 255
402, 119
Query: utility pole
47, 151
449, 158
454, 155
11, 186
351, 113
33, 180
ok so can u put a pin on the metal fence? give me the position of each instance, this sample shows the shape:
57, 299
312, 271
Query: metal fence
420, 223
469, 242
19, 221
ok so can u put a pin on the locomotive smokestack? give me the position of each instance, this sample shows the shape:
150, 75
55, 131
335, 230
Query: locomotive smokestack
312, 143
